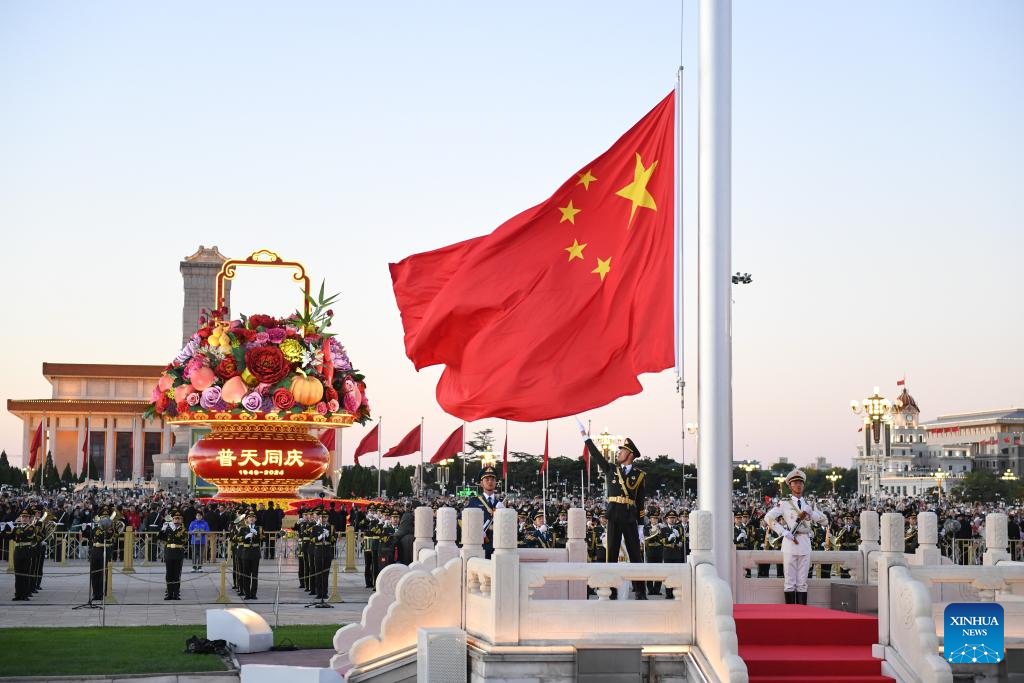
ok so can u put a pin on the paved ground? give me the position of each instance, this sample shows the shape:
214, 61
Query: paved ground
220, 677
140, 600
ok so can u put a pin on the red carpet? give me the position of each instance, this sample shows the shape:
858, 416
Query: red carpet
801, 644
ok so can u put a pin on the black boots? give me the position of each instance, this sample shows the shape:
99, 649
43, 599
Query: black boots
790, 597
801, 598
796, 597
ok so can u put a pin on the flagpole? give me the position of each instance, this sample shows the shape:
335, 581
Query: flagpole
421, 458
463, 455
88, 455
380, 447
714, 337
679, 290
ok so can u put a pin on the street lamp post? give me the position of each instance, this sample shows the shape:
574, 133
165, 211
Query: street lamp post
748, 467
608, 443
833, 477
780, 480
1008, 475
939, 476
877, 412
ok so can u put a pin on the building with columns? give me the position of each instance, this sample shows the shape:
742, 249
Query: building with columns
954, 445
96, 408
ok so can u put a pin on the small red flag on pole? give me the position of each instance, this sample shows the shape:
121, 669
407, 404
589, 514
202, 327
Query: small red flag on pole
369, 444
544, 465
407, 446
33, 449
451, 447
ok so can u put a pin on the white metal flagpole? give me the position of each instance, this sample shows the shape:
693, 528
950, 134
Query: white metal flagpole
420, 493
380, 449
714, 334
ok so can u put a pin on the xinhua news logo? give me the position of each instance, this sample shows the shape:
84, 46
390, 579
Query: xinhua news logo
973, 633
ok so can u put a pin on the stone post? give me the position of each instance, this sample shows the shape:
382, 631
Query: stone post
701, 538
128, 560
447, 521
472, 533
576, 549
996, 539
927, 540
505, 582
350, 549
891, 554
424, 531
869, 546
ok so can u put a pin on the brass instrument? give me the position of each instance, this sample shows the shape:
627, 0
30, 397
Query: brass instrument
49, 526
119, 525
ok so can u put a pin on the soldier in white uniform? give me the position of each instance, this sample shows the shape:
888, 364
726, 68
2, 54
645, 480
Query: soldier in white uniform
792, 519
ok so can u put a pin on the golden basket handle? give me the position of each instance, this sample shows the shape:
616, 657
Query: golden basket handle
264, 258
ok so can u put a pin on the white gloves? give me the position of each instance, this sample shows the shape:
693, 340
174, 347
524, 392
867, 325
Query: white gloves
789, 536
583, 430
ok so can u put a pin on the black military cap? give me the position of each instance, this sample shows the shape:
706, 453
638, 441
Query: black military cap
488, 471
631, 447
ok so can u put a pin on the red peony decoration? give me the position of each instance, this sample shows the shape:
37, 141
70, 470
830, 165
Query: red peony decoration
262, 320
267, 364
227, 369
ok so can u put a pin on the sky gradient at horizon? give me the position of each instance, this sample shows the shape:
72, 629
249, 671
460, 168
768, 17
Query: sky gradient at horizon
876, 187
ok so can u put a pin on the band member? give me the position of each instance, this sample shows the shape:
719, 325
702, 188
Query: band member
626, 500
250, 539
653, 547
307, 553
560, 530
24, 539
537, 536
38, 549
673, 538
103, 535
487, 500
175, 539
792, 519
323, 553
372, 529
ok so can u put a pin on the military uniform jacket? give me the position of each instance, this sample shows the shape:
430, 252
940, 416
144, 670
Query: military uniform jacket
243, 538
846, 538
626, 491
785, 517
672, 539
479, 501
174, 537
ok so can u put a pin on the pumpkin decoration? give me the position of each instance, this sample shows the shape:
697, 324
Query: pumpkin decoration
307, 390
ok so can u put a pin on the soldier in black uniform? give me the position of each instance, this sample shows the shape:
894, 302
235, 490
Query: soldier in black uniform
249, 540
103, 537
372, 531
323, 554
653, 546
38, 550
673, 536
175, 538
626, 499
537, 535
23, 537
301, 547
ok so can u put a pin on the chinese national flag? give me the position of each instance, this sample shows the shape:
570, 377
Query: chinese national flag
369, 444
328, 438
561, 307
85, 454
407, 446
451, 447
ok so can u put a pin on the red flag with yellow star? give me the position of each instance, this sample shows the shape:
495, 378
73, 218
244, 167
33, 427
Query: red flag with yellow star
561, 307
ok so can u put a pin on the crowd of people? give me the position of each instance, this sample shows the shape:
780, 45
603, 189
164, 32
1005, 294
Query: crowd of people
624, 524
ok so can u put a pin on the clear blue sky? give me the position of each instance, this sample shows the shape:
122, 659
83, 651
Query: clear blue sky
877, 184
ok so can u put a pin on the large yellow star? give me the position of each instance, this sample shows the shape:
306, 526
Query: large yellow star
569, 213
576, 250
603, 267
585, 179
636, 191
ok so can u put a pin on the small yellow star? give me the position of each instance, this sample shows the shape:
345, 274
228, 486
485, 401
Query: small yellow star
569, 213
603, 267
576, 250
585, 179
636, 191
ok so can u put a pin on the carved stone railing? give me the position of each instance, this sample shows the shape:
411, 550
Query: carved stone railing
714, 626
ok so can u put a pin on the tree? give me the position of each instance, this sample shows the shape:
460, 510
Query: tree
984, 487
66, 477
481, 441
5, 469
51, 479
400, 481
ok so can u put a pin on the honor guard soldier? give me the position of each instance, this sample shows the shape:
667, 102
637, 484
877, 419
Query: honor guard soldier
372, 531
39, 549
653, 547
594, 544
626, 500
673, 539
175, 539
236, 552
24, 539
791, 519
560, 530
537, 536
307, 552
103, 535
323, 554
249, 539
487, 500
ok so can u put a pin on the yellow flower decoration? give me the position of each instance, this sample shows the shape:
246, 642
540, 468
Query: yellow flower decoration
292, 350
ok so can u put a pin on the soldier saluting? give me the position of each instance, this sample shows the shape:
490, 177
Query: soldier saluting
626, 499
175, 538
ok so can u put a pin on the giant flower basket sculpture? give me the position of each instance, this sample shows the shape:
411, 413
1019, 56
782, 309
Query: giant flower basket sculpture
263, 385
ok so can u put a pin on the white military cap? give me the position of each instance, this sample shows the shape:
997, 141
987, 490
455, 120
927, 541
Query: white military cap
797, 473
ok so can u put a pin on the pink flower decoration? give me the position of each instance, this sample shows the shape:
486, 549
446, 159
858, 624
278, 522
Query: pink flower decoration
333, 406
321, 408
